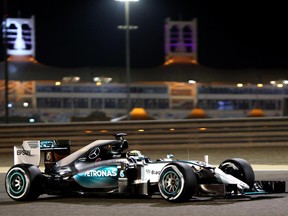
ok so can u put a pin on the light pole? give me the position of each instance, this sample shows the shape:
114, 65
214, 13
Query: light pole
127, 29
6, 74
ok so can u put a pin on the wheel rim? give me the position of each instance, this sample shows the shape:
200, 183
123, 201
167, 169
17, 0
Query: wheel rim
171, 182
16, 183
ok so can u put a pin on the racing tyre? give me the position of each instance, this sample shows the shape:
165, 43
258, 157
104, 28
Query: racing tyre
23, 182
177, 182
239, 168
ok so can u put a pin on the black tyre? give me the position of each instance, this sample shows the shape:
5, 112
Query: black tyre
177, 182
239, 168
23, 182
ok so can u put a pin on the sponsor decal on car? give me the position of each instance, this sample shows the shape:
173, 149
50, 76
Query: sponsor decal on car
94, 153
101, 173
24, 152
99, 177
46, 144
153, 172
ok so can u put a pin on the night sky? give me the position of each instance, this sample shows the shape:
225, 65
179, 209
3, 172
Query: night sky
231, 34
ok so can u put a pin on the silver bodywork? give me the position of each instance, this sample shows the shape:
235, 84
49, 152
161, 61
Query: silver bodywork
147, 172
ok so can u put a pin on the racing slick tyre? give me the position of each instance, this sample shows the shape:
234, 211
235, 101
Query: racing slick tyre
23, 182
240, 169
177, 182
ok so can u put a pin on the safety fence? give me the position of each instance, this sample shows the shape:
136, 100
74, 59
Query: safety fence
197, 133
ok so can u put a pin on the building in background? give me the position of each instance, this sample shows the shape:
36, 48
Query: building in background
168, 92
181, 42
55, 102
20, 38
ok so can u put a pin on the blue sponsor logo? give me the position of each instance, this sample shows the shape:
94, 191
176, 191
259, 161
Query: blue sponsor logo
99, 177
46, 144
101, 172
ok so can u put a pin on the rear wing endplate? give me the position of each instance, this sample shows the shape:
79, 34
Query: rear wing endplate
29, 151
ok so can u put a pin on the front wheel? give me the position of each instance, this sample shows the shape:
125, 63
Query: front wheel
22, 182
177, 182
239, 168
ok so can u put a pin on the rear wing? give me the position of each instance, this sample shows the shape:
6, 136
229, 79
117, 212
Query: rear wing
29, 151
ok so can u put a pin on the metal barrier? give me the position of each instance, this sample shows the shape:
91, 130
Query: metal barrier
197, 133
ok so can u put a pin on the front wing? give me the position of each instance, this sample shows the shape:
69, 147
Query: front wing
259, 187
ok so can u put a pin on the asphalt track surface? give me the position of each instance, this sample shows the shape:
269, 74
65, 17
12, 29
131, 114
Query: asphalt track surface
274, 168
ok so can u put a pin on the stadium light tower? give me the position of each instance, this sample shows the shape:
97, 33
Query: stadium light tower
127, 27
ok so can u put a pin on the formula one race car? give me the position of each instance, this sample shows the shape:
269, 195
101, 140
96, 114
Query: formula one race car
105, 166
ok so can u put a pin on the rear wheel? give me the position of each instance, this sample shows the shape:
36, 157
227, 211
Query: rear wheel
23, 182
239, 168
177, 182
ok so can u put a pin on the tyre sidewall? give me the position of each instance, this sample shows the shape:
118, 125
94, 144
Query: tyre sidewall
186, 182
28, 176
247, 173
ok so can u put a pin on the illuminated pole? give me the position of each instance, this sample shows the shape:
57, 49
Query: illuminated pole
127, 29
128, 75
4, 25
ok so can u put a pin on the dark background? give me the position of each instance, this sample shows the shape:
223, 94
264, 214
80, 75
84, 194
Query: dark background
231, 34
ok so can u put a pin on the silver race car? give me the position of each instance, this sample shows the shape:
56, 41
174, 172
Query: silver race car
106, 166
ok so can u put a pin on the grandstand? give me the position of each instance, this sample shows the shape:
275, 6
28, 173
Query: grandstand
54, 101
